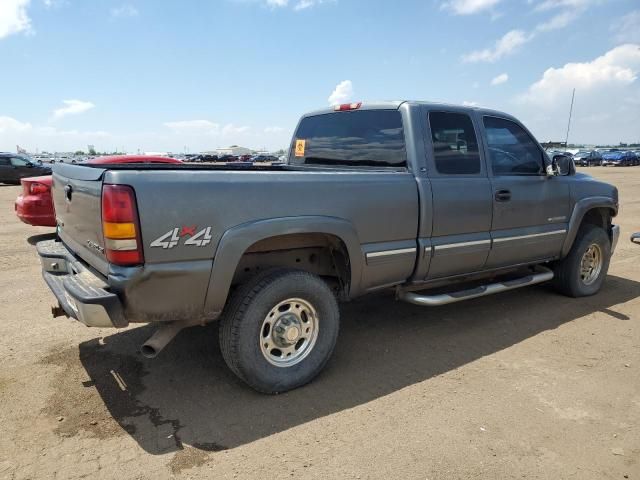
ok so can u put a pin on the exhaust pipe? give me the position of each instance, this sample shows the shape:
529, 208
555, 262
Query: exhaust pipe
162, 336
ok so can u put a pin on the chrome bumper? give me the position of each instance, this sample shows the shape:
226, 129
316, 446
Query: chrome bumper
80, 292
615, 235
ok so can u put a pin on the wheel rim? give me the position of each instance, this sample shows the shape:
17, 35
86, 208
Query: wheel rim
591, 264
289, 332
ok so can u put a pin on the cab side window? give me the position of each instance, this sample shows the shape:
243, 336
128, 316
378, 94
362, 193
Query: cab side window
455, 146
4, 162
511, 149
18, 162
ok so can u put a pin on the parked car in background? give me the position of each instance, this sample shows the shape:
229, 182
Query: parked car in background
619, 158
588, 158
245, 158
264, 158
228, 158
554, 152
208, 158
14, 167
35, 205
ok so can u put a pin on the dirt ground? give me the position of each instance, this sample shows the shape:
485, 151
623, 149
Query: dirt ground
525, 384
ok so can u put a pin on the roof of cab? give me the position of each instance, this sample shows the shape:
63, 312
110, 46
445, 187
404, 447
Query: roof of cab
395, 104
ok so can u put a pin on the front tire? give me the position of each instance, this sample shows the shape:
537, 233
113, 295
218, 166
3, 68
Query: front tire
279, 330
582, 272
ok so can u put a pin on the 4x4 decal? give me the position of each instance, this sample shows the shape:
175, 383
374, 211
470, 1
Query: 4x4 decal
172, 237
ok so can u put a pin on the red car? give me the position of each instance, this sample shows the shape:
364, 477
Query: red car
35, 205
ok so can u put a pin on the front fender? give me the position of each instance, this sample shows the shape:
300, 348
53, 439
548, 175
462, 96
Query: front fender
237, 240
579, 211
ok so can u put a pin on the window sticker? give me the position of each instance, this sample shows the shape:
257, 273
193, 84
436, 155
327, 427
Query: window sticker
300, 146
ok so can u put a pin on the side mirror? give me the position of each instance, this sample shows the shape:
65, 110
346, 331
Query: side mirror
563, 165
635, 238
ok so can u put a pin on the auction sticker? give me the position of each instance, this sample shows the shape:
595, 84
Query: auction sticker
300, 145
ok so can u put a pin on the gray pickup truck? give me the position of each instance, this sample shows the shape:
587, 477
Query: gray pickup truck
441, 203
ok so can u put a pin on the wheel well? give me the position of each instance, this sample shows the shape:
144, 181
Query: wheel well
600, 217
318, 253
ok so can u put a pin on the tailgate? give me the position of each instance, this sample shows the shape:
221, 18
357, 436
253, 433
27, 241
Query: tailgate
77, 192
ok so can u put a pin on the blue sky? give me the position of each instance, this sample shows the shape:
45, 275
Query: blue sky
162, 75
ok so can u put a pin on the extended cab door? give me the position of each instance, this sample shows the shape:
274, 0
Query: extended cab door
7, 172
530, 210
461, 193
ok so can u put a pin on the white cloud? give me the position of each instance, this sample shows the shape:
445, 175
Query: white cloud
13, 131
55, 3
616, 68
231, 129
72, 107
8, 124
569, 11
124, 11
13, 17
546, 5
342, 93
196, 135
469, 7
302, 4
506, 45
273, 130
500, 79
468, 103
297, 4
627, 28
558, 21
605, 86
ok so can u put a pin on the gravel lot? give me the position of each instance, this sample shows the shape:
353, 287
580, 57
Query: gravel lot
525, 384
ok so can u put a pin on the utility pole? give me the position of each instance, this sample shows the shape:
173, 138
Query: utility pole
566, 139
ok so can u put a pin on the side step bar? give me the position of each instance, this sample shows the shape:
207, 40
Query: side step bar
542, 274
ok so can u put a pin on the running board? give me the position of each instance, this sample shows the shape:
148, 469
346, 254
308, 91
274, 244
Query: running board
541, 275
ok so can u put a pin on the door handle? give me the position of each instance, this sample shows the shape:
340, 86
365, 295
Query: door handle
503, 195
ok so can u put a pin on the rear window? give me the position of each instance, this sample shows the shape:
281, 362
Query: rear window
372, 138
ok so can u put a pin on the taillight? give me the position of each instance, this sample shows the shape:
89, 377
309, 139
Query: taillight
36, 188
347, 106
121, 225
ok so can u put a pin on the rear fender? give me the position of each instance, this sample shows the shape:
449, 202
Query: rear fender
237, 240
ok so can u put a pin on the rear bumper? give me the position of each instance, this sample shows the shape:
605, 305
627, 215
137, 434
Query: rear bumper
35, 211
81, 293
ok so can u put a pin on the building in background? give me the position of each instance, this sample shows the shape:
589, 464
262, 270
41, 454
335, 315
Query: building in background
233, 150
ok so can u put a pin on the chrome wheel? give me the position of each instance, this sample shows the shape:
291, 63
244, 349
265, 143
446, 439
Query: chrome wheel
289, 332
591, 264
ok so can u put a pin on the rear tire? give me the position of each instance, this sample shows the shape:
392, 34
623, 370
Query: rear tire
279, 330
582, 272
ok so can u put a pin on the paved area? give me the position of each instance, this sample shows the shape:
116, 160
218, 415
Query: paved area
525, 384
